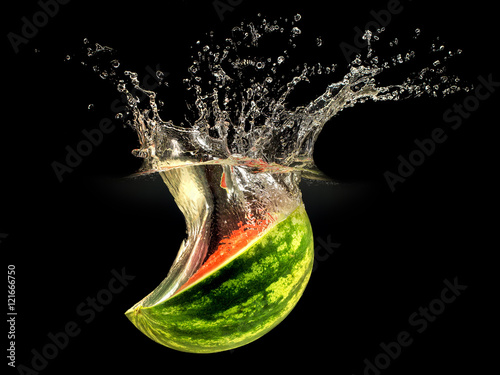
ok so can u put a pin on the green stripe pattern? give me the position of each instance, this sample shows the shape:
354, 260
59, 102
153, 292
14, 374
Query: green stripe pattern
240, 301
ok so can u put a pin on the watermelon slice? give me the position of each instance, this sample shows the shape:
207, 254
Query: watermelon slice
242, 291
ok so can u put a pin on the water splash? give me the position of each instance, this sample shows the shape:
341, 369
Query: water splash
239, 125
235, 164
239, 112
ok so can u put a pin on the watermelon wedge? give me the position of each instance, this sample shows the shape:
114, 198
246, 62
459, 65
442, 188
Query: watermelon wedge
237, 297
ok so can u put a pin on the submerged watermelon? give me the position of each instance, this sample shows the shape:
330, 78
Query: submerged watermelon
242, 299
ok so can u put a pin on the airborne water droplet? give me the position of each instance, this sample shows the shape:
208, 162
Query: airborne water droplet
409, 55
218, 101
121, 87
394, 42
243, 118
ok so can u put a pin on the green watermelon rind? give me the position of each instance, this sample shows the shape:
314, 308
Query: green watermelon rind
240, 301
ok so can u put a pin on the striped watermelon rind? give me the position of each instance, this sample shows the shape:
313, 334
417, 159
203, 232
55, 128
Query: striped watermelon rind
240, 301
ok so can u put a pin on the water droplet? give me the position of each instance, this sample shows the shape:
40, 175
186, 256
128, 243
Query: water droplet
260, 65
297, 17
281, 59
85, 41
115, 63
121, 87
319, 42
68, 57
119, 116
90, 107
409, 55
394, 42
269, 79
296, 31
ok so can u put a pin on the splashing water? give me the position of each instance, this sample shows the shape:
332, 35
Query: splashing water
240, 107
234, 167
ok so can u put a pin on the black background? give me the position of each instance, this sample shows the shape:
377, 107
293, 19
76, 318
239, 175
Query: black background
396, 248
